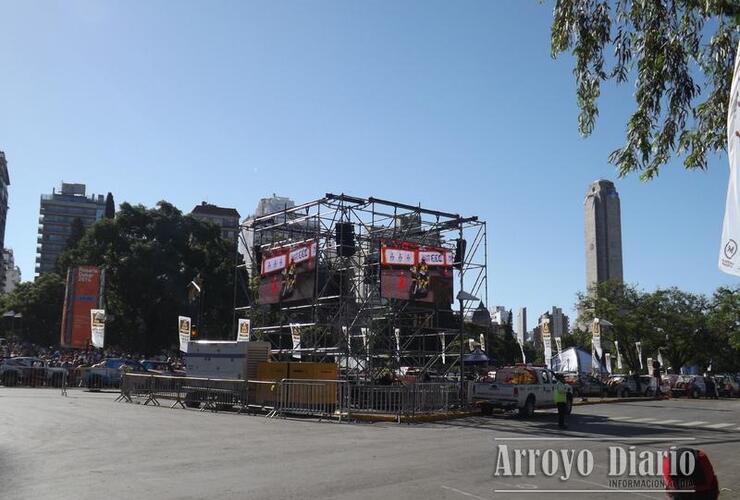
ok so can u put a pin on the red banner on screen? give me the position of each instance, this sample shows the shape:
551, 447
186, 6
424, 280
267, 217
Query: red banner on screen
416, 273
288, 274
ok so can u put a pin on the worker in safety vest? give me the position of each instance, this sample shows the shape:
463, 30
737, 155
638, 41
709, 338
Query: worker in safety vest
560, 397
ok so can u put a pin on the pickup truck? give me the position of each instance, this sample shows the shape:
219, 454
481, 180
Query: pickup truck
520, 387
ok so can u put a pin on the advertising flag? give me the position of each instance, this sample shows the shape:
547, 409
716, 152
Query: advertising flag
638, 346
243, 330
619, 356
83, 293
184, 326
608, 359
97, 327
444, 346
547, 341
558, 345
524, 356
482, 342
295, 332
729, 260
365, 343
397, 333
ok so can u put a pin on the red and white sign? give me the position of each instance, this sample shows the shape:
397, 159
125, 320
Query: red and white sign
279, 259
303, 253
393, 256
275, 263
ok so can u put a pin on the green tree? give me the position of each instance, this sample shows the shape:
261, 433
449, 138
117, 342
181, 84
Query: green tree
149, 257
110, 206
680, 54
76, 232
40, 302
723, 321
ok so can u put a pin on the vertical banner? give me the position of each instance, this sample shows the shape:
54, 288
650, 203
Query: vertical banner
608, 360
524, 356
295, 333
397, 333
471, 345
443, 342
660, 359
184, 328
596, 338
243, 330
365, 343
345, 332
82, 294
650, 366
482, 342
559, 345
619, 356
97, 327
638, 346
547, 342
729, 260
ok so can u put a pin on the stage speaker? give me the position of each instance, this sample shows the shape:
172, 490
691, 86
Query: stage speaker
345, 239
460, 252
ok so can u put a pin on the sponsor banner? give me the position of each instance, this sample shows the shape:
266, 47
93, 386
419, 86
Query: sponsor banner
547, 342
82, 294
596, 342
185, 327
558, 345
274, 263
302, 253
295, 333
243, 330
482, 339
471, 345
433, 257
411, 255
443, 342
524, 356
729, 260
608, 360
638, 346
97, 327
397, 334
397, 257
365, 343
619, 356
650, 366
296, 278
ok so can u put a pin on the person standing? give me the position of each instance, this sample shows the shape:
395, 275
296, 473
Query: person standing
560, 397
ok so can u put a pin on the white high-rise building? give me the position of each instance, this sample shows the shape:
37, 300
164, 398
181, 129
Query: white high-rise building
500, 316
11, 273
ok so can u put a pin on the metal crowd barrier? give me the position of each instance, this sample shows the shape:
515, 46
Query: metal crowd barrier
318, 398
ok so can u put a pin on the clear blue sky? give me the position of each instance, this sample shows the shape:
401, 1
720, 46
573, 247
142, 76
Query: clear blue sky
457, 106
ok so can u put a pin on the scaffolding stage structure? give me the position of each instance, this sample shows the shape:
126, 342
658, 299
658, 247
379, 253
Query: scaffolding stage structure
348, 316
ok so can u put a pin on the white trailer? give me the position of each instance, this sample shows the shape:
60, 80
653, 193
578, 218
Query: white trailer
223, 359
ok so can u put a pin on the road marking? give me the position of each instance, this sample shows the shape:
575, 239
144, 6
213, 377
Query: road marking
642, 420
621, 418
717, 426
693, 424
465, 493
666, 422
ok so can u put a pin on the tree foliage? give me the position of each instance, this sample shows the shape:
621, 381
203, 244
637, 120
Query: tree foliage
685, 328
149, 257
680, 54
110, 206
40, 303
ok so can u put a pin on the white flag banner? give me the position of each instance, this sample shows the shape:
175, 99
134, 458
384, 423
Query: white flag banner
365, 343
345, 332
482, 342
97, 327
547, 341
638, 346
243, 330
397, 333
608, 360
650, 366
524, 356
729, 260
619, 356
443, 341
559, 345
471, 345
184, 326
295, 333
660, 359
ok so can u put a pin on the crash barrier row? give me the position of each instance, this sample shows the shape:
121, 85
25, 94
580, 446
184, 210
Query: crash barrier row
321, 398
32, 377
85, 378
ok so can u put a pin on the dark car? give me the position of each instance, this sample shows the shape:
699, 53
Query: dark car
107, 373
584, 385
162, 368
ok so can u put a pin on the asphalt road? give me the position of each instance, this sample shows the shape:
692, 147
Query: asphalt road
88, 446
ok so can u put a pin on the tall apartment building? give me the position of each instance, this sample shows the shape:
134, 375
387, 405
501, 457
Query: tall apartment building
500, 316
603, 233
225, 218
520, 327
58, 212
4, 183
560, 322
11, 274
249, 239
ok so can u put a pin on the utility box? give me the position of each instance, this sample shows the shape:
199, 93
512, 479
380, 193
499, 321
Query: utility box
224, 359
266, 394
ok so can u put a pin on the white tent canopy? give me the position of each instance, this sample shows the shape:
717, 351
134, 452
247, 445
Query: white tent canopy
574, 359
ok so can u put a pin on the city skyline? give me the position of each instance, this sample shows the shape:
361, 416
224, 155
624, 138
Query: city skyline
191, 116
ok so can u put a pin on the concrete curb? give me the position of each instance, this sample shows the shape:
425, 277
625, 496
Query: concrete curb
610, 400
408, 419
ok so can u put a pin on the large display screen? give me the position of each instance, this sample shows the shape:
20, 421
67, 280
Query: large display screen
82, 294
288, 273
416, 273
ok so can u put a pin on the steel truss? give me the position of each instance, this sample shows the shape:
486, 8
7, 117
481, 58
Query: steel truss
347, 321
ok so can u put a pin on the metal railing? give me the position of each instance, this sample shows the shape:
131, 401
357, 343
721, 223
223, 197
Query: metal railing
318, 398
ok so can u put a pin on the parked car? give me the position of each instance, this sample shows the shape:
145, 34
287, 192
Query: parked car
30, 370
690, 386
728, 385
107, 373
584, 385
622, 386
649, 386
161, 368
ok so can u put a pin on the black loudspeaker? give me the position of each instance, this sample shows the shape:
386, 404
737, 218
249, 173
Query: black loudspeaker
460, 252
345, 239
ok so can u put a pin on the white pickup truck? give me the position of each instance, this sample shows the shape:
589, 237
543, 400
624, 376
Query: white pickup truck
519, 387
